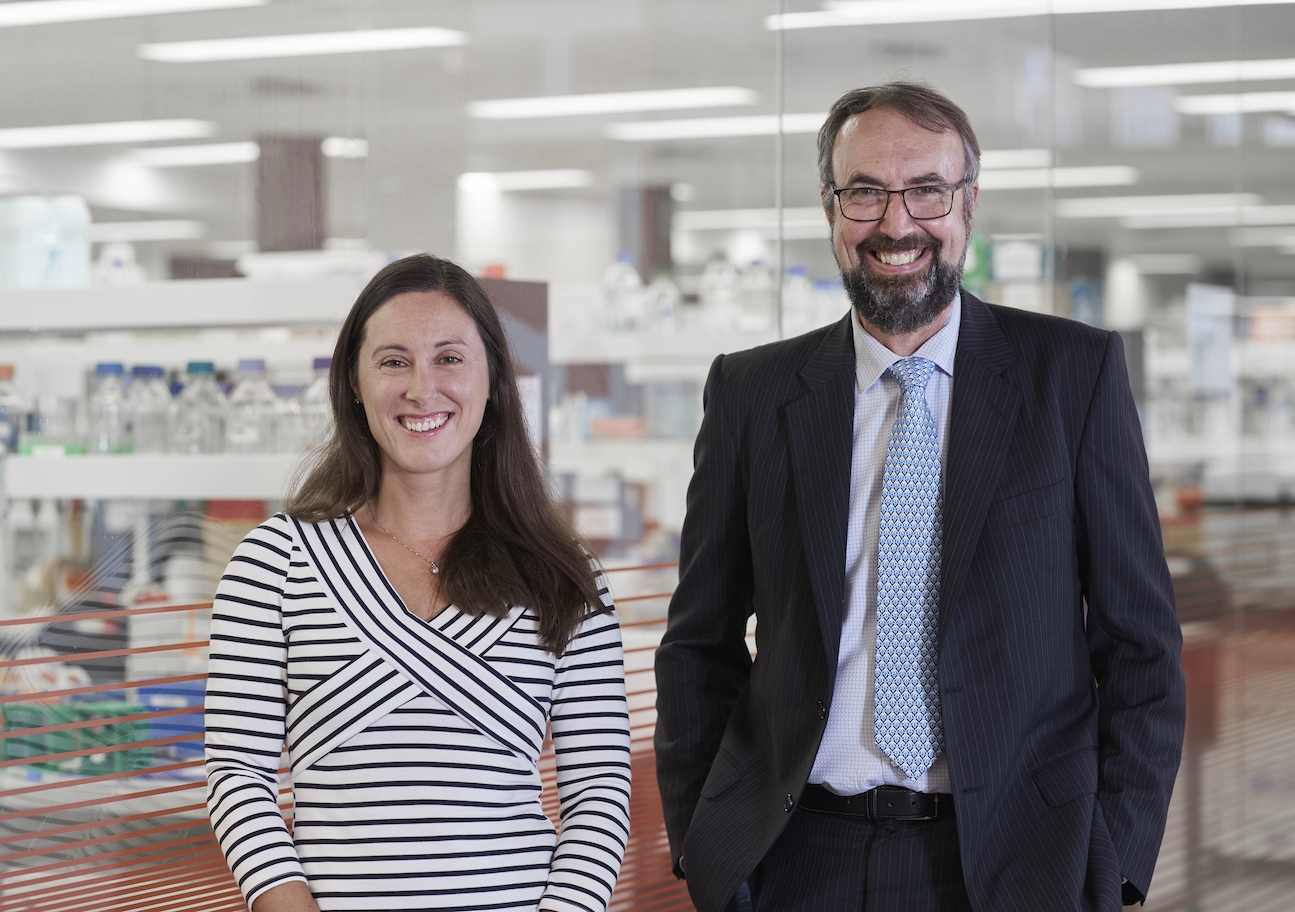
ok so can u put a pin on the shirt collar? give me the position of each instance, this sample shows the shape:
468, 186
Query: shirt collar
873, 359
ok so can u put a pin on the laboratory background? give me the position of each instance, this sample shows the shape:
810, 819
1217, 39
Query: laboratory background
192, 193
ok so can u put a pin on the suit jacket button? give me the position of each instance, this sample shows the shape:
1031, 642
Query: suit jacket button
788, 804
822, 710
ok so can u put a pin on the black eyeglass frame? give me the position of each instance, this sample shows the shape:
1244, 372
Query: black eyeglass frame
836, 192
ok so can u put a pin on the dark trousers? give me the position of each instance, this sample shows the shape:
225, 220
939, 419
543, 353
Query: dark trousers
827, 862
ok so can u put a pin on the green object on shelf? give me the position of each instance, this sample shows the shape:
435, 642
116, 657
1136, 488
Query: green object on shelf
21, 716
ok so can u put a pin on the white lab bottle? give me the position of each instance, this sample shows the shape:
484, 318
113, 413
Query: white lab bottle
107, 412
718, 290
250, 425
289, 428
148, 409
316, 405
622, 292
198, 412
661, 302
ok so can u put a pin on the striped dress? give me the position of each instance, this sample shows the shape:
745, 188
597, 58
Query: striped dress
412, 746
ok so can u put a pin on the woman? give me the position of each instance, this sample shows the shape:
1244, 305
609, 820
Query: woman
407, 628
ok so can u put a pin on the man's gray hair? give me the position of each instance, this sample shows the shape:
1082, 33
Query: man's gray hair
920, 104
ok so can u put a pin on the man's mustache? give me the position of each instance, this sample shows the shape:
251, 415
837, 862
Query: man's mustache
880, 243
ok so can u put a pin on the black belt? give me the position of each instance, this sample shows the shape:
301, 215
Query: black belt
885, 802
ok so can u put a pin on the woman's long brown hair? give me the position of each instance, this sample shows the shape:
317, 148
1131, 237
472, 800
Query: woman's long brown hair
516, 547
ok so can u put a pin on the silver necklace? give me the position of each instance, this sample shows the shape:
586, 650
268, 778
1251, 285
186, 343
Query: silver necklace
427, 560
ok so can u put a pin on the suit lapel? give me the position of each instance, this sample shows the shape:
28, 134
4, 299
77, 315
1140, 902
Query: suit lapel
983, 416
820, 428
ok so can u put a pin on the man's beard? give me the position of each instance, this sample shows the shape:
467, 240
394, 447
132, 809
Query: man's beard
902, 304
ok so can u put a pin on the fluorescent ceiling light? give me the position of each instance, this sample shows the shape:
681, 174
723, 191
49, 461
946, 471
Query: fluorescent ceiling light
98, 134
611, 103
1243, 103
798, 222
891, 12
715, 127
208, 154
1014, 158
1029, 178
1123, 206
1263, 237
153, 230
309, 45
344, 147
48, 12
550, 179
1223, 218
1185, 73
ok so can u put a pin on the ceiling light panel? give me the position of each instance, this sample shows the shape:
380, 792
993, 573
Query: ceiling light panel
548, 179
207, 154
611, 103
1015, 158
97, 134
1127, 206
344, 147
1223, 218
892, 12
1185, 73
1237, 103
715, 127
305, 45
1031, 178
52, 12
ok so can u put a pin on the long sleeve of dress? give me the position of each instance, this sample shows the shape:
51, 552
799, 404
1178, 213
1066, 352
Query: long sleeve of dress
245, 710
591, 739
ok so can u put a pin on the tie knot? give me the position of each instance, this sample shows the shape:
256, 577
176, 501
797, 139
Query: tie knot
913, 373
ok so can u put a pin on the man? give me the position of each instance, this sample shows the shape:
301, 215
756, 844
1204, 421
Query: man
968, 692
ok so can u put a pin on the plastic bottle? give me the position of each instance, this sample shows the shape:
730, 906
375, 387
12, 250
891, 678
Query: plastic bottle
250, 426
198, 412
107, 411
830, 301
622, 292
289, 427
661, 301
13, 411
148, 409
316, 406
718, 290
797, 302
756, 298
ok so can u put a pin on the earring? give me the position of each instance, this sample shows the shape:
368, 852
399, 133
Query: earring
357, 401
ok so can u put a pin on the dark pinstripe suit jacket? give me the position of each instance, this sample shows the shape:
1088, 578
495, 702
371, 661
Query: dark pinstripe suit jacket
1060, 681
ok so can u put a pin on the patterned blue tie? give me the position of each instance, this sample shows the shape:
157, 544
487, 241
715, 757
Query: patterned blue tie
908, 725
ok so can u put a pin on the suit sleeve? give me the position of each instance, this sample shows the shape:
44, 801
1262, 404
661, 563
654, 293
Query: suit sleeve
703, 663
1133, 633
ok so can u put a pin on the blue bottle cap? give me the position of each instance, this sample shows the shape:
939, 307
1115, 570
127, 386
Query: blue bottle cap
199, 368
109, 368
147, 370
251, 366
321, 364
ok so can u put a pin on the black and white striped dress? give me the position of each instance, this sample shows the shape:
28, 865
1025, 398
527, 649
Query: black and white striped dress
413, 746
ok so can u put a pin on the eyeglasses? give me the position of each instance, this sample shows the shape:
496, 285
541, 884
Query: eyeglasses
869, 204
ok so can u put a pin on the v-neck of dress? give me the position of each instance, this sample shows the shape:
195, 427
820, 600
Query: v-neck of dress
386, 580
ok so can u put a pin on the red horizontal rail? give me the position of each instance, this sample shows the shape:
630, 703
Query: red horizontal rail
103, 777
46, 810
102, 749
102, 654
92, 723
48, 695
45, 833
109, 613
159, 850
100, 840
